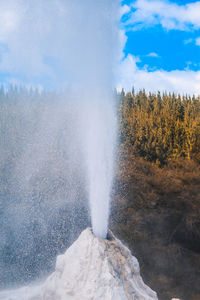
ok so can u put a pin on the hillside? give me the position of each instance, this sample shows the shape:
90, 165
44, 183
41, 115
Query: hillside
156, 203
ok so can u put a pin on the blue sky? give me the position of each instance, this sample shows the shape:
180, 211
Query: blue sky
175, 49
163, 44
162, 49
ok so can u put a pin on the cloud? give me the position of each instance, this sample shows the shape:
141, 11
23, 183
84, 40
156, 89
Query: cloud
193, 41
124, 9
147, 13
174, 81
188, 41
198, 41
58, 42
9, 19
153, 54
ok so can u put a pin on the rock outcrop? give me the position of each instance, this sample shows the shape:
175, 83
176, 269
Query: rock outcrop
92, 269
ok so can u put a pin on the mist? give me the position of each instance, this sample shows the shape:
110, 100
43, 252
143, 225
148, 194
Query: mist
57, 150
59, 44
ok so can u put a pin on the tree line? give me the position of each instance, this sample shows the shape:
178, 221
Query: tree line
159, 127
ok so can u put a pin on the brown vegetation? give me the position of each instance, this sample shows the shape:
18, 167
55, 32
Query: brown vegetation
156, 206
156, 213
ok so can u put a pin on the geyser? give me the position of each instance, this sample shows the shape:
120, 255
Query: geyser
71, 45
99, 150
98, 120
67, 45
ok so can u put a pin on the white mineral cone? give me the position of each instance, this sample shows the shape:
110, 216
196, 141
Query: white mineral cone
92, 269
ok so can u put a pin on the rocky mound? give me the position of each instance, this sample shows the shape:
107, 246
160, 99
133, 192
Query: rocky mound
91, 269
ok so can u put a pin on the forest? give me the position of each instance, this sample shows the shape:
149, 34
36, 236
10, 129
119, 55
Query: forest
160, 128
156, 201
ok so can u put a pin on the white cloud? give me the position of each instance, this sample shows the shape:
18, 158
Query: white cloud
198, 41
124, 9
191, 41
188, 41
153, 54
169, 15
174, 81
58, 41
122, 42
9, 19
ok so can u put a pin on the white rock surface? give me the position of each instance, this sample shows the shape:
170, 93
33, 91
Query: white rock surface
91, 269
